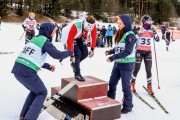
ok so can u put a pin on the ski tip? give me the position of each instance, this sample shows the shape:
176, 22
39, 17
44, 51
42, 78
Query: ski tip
167, 112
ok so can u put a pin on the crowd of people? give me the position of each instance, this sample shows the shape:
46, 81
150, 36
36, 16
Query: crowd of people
105, 35
127, 50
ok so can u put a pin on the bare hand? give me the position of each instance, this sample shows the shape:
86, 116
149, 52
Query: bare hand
52, 68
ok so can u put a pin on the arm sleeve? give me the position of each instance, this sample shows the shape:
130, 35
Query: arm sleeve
93, 36
70, 39
53, 52
156, 37
46, 66
24, 23
130, 42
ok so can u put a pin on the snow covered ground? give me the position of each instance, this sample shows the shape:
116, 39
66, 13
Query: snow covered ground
13, 93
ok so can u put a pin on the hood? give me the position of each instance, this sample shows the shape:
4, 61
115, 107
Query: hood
127, 22
46, 30
109, 27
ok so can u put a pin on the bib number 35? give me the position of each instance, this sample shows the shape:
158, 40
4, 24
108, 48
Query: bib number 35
145, 41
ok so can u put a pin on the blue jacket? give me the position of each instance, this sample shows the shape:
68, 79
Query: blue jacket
45, 29
109, 31
130, 42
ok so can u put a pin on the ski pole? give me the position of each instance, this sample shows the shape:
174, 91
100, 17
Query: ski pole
22, 35
156, 63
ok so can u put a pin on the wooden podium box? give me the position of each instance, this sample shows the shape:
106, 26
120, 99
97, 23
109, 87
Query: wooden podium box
91, 88
89, 97
102, 108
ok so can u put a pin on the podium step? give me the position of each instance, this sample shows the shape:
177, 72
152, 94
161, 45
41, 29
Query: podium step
102, 108
91, 88
86, 100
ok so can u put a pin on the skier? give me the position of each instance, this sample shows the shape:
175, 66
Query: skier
144, 43
124, 57
58, 32
168, 37
163, 29
29, 62
75, 35
29, 25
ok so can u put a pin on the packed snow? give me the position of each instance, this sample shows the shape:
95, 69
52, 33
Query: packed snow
13, 94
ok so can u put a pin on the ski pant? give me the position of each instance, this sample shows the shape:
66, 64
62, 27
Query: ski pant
57, 36
109, 41
29, 35
167, 38
99, 43
147, 56
125, 75
80, 52
104, 39
35, 98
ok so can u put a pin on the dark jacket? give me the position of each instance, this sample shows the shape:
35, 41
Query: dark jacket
45, 29
103, 31
130, 42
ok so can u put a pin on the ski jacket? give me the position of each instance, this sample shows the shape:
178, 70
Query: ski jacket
109, 31
129, 45
146, 40
46, 48
103, 31
74, 31
29, 24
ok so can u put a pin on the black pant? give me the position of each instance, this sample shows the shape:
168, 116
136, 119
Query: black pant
168, 38
109, 41
80, 52
147, 56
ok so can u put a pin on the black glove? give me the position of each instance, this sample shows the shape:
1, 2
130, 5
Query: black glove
38, 26
91, 53
24, 27
111, 58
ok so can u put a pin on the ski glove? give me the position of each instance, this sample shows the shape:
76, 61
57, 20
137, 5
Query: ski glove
24, 27
110, 59
91, 53
72, 58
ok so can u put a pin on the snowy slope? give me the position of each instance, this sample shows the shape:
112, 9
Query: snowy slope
13, 94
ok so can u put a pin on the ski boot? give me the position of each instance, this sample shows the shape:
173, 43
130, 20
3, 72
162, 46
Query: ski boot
167, 49
125, 111
149, 87
79, 77
21, 118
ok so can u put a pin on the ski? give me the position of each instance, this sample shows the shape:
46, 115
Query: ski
156, 100
55, 97
6, 52
142, 99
